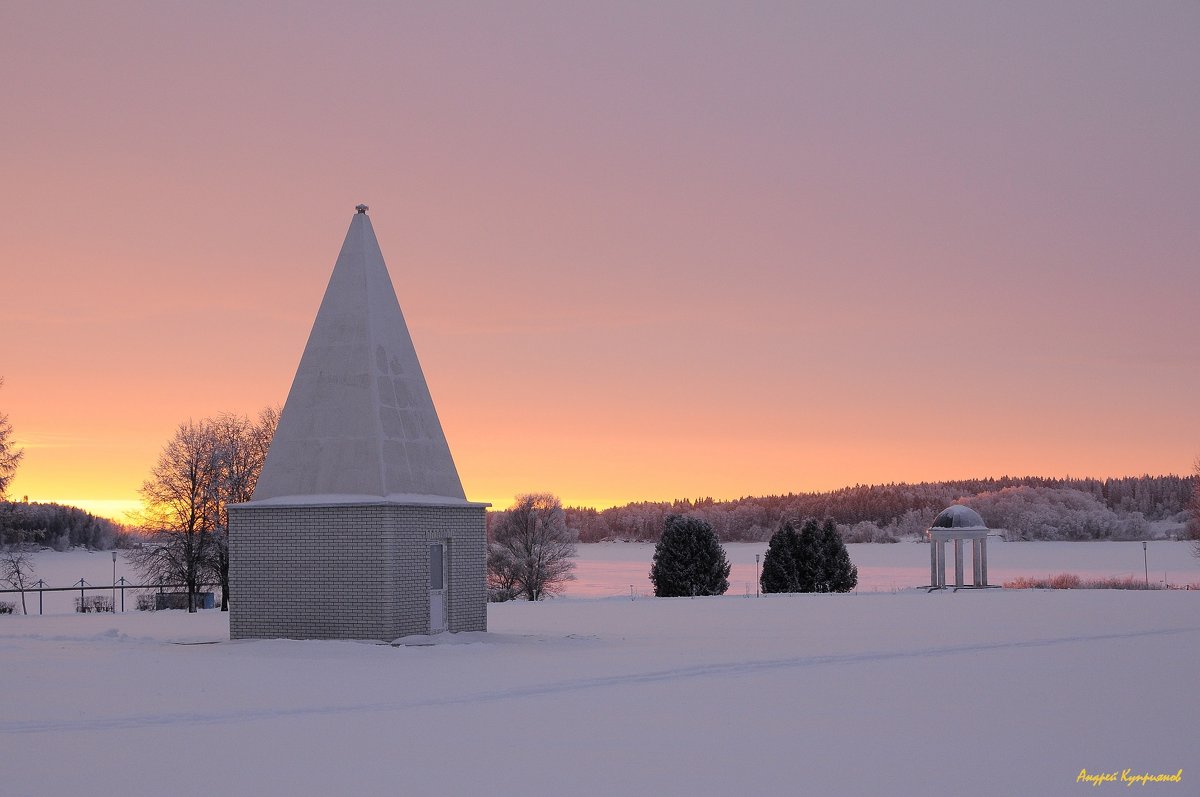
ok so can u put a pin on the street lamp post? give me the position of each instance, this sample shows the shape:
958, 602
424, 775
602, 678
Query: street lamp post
1146, 563
114, 582
756, 580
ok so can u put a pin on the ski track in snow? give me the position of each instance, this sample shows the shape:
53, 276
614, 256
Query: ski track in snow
602, 682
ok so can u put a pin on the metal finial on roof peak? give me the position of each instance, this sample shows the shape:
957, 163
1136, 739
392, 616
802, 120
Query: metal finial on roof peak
361, 208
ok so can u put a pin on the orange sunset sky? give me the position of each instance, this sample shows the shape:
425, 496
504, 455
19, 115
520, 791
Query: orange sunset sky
645, 250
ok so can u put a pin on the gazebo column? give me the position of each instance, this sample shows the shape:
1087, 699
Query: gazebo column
933, 563
976, 563
958, 563
940, 545
983, 561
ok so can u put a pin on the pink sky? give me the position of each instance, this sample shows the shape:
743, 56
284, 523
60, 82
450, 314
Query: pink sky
646, 250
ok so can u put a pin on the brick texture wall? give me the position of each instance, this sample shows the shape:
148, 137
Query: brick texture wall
352, 571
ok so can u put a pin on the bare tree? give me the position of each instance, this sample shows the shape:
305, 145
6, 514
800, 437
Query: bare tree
262, 433
16, 569
180, 510
206, 466
532, 551
10, 455
241, 447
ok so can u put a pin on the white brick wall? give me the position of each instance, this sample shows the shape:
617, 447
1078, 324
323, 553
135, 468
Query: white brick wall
353, 571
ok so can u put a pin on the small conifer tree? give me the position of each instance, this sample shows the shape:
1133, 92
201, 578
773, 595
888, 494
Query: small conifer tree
838, 573
688, 560
808, 558
779, 572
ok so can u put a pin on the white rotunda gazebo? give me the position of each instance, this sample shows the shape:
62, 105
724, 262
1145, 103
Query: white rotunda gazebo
955, 524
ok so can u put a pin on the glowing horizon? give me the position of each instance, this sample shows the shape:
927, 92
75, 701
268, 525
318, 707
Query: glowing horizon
123, 510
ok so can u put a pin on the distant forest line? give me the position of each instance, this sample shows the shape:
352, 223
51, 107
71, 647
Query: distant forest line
1028, 507
58, 526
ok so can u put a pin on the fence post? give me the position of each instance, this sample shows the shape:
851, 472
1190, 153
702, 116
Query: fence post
122, 583
41, 591
82, 600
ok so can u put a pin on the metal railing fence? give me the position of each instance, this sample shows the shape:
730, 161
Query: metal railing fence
83, 587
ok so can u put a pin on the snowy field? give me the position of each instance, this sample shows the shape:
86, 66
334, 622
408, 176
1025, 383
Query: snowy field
898, 693
989, 693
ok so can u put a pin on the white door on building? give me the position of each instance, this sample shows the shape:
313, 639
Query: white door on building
437, 587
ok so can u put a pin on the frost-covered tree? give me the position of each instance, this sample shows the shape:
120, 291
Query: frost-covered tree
10, 455
837, 572
1052, 513
688, 560
532, 552
869, 531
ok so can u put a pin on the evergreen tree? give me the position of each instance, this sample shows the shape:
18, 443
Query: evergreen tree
838, 574
688, 560
779, 564
808, 555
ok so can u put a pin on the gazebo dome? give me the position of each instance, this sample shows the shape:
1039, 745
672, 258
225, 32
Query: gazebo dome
958, 517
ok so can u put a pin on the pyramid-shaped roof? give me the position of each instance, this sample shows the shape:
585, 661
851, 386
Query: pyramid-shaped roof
359, 423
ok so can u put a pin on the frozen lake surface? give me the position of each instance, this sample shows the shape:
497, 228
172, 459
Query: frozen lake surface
612, 569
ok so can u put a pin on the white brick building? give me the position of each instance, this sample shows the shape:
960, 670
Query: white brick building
359, 527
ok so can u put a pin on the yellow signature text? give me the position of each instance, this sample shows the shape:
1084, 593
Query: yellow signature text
1128, 777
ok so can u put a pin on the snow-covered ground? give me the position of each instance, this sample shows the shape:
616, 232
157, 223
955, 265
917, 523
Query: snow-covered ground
990, 693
